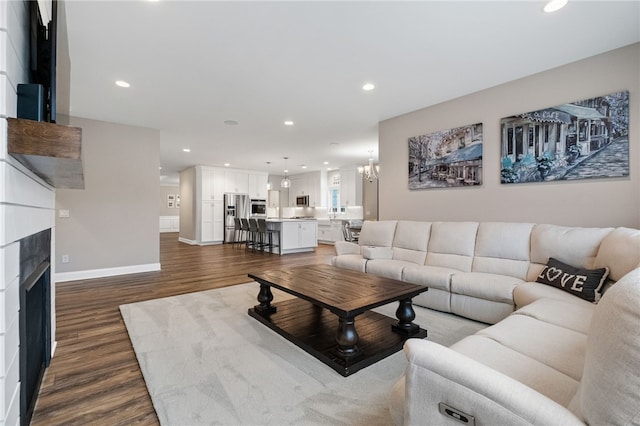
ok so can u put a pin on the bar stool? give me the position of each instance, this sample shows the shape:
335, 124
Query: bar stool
266, 236
244, 227
237, 231
252, 238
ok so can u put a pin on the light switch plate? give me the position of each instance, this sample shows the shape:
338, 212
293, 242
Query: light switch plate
64, 213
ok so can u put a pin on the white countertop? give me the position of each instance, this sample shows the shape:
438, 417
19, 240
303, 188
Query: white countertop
292, 220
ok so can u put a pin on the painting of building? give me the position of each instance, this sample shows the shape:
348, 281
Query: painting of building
446, 158
579, 140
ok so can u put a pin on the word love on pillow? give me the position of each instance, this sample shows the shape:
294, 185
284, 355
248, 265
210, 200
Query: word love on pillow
584, 283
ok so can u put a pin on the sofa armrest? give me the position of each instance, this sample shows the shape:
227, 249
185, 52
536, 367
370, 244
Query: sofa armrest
346, 247
438, 374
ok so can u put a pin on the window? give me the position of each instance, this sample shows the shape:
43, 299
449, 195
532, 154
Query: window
334, 200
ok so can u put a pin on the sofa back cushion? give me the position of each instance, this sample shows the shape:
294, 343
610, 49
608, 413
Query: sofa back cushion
451, 245
577, 247
411, 241
377, 233
620, 252
610, 384
503, 248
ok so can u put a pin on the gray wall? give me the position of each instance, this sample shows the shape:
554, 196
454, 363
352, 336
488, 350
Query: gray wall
593, 202
370, 199
188, 204
113, 222
166, 190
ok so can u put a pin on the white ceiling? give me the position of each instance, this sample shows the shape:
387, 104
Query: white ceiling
193, 65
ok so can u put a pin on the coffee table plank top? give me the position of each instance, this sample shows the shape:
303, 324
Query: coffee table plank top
346, 293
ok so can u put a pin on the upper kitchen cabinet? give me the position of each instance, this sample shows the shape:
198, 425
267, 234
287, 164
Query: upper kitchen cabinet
258, 186
212, 183
236, 182
313, 184
350, 187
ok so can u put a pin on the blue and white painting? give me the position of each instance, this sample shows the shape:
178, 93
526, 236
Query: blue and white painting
579, 140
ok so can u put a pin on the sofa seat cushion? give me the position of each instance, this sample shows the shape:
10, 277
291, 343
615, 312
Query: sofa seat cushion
387, 268
529, 292
554, 346
498, 288
545, 379
574, 316
355, 262
430, 276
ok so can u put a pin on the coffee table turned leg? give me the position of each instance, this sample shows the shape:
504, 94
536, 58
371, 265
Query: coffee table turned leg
265, 297
346, 338
405, 315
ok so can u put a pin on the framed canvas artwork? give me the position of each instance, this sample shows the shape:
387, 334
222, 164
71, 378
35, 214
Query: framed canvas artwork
579, 140
448, 158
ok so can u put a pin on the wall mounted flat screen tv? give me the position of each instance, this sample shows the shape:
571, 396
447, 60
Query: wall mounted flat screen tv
42, 55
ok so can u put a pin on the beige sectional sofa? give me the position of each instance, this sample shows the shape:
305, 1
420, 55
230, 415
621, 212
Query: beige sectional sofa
551, 357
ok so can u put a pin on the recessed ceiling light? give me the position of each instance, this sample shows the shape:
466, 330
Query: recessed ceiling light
231, 122
554, 5
368, 86
227, 164
186, 149
325, 163
122, 83
328, 169
288, 123
303, 166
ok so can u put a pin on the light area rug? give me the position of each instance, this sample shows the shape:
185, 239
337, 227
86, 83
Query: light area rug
206, 361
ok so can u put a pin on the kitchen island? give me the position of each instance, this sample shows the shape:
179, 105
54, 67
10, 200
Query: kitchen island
294, 235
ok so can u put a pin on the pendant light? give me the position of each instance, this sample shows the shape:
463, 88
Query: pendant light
285, 182
269, 186
370, 171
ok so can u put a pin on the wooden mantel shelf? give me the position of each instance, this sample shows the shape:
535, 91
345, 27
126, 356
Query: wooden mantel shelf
51, 151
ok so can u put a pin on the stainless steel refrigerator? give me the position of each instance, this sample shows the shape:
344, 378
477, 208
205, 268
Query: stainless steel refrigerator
235, 206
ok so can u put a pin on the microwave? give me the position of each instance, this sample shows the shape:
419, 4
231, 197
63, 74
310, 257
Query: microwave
302, 201
258, 207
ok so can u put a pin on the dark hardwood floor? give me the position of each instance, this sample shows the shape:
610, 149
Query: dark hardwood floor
94, 377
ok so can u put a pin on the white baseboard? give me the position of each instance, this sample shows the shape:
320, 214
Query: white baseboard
106, 272
186, 241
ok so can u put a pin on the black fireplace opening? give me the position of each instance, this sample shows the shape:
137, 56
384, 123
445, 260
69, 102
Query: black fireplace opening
35, 318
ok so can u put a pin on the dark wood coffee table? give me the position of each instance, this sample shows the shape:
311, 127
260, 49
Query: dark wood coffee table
324, 292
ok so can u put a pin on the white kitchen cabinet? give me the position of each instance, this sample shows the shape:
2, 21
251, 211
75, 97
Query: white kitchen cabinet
212, 183
336, 230
330, 231
313, 184
325, 233
236, 182
212, 222
218, 184
258, 186
350, 187
298, 236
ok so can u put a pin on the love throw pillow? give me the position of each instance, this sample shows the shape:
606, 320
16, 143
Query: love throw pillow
584, 283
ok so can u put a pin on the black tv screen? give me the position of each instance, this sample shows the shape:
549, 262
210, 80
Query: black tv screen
42, 51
